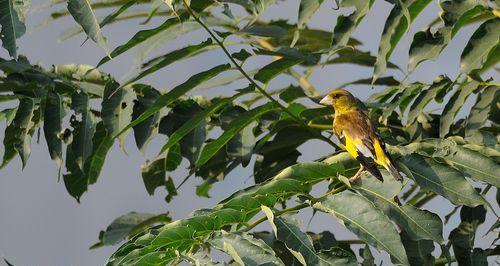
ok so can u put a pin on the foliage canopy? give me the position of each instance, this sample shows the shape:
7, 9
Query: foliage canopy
82, 111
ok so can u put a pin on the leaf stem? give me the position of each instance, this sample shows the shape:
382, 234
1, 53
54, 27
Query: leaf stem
276, 214
257, 86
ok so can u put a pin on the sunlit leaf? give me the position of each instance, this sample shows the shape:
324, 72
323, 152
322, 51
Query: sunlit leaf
299, 243
419, 224
120, 228
367, 222
472, 163
484, 39
246, 250
441, 179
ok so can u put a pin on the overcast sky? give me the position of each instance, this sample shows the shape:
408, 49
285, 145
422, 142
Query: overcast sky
40, 224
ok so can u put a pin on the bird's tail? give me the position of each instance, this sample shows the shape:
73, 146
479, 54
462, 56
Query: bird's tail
394, 171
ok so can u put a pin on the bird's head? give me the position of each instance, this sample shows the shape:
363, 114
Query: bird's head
340, 99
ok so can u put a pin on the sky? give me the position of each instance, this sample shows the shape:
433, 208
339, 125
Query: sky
41, 224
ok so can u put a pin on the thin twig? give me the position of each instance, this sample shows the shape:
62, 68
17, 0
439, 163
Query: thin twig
257, 86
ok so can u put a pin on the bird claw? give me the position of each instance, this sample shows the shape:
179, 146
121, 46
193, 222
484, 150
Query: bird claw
355, 178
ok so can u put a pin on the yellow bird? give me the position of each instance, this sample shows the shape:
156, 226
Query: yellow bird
357, 133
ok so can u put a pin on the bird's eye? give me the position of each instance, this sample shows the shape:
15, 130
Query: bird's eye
335, 96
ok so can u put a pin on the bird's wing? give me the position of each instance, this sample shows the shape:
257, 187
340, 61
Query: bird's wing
362, 140
358, 137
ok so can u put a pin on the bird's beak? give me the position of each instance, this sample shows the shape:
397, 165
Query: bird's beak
327, 100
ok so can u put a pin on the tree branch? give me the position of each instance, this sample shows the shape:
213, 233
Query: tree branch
257, 86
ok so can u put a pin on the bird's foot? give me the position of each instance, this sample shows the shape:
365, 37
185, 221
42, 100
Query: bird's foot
355, 177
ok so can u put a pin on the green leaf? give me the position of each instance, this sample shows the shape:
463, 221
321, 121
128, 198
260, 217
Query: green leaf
52, 125
484, 40
154, 174
357, 57
347, 24
425, 97
427, 44
192, 142
366, 254
418, 251
113, 15
238, 208
479, 112
492, 59
270, 71
102, 142
8, 115
193, 122
83, 128
121, 227
298, 242
75, 181
401, 100
441, 179
395, 27
386, 81
147, 129
292, 93
307, 9
472, 163
12, 26
419, 224
171, 58
367, 222
242, 144
83, 15
17, 137
454, 105
462, 237
242, 55
233, 128
177, 92
143, 36
246, 250
116, 109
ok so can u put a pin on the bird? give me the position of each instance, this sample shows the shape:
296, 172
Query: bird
358, 135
